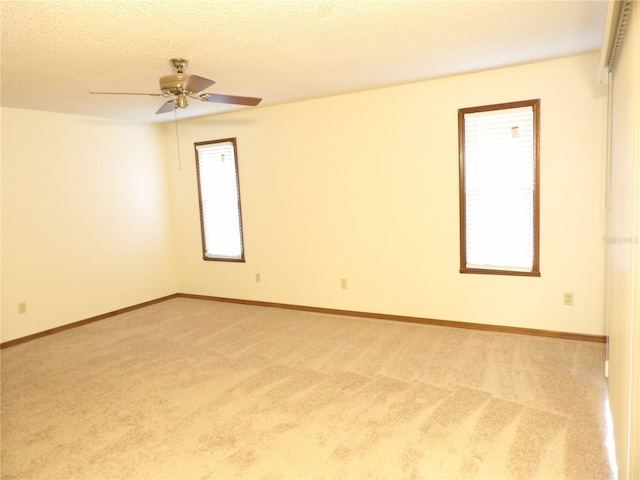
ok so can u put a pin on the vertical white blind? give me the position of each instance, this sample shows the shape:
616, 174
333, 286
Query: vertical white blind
499, 189
220, 198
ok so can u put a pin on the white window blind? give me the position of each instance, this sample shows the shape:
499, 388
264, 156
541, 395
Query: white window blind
499, 178
219, 201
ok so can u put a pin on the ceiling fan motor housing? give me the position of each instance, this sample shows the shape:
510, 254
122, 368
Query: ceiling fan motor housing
173, 84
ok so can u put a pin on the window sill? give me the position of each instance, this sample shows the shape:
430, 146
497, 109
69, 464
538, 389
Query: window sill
486, 271
220, 258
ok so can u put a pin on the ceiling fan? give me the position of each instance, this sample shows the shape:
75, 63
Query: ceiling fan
180, 85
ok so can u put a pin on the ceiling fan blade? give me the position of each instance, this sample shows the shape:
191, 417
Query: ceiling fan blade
169, 106
194, 83
216, 97
122, 93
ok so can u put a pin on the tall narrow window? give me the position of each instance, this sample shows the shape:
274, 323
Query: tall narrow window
219, 195
500, 188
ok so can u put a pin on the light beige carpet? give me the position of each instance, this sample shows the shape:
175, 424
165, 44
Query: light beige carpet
193, 389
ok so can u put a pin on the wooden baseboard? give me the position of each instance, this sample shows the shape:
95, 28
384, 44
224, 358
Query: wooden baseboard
332, 311
79, 323
403, 318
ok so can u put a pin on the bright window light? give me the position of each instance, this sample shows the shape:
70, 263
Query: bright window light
219, 193
498, 189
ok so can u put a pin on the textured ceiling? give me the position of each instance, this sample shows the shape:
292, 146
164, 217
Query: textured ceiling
55, 52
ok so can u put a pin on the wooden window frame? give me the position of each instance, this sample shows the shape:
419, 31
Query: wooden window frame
241, 258
535, 104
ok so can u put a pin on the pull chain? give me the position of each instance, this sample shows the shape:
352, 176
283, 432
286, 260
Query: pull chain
177, 139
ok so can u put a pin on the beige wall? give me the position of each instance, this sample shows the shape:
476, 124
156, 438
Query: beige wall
624, 269
85, 219
365, 187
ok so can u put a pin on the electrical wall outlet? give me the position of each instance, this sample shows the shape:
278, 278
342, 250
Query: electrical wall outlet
568, 298
22, 308
258, 278
343, 283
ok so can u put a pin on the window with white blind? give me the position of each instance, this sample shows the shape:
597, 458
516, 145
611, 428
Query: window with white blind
219, 195
499, 188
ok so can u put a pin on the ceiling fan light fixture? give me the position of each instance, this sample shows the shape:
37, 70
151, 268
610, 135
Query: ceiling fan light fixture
182, 100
